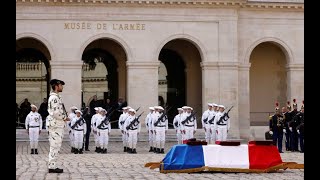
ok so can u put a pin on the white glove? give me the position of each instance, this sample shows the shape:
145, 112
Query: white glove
270, 132
284, 131
298, 131
290, 128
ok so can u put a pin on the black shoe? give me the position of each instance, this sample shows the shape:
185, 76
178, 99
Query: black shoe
96, 149
134, 151
162, 151
72, 149
104, 151
99, 150
32, 151
154, 149
158, 151
56, 170
151, 149
129, 150
80, 151
36, 151
124, 149
280, 152
87, 150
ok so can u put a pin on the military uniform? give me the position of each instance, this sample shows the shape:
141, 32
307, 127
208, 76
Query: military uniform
276, 125
177, 125
103, 130
213, 128
132, 126
205, 123
160, 126
122, 119
149, 129
188, 127
94, 127
300, 128
154, 116
293, 128
222, 124
287, 132
79, 127
72, 115
56, 119
33, 125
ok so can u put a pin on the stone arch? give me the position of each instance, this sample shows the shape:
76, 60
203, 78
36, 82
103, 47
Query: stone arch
201, 48
112, 37
39, 38
283, 46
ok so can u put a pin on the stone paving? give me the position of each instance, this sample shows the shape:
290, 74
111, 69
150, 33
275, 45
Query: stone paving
120, 165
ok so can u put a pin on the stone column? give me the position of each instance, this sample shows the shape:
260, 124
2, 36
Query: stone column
228, 85
70, 73
142, 84
295, 82
244, 101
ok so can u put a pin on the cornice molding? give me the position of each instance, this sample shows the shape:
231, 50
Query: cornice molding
260, 4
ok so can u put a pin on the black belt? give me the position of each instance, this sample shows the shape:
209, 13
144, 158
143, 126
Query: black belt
103, 128
78, 129
189, 125
33, 126
221, 124
161, 126
133, 129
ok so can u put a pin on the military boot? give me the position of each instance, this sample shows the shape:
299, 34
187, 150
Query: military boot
158, 151
36, 151
162, 151
80, 151
154, 149
134, 151
32, 151
76, 151
124, 149
151, 149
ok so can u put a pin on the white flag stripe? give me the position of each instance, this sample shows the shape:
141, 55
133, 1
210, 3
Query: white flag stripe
226, 156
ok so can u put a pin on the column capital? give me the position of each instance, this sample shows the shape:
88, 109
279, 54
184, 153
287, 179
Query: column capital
295, 67
143, 64
66, 64
244, 66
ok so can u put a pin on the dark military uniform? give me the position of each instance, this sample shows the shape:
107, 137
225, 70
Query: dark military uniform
277, 125
299, 118
293, 134
287, 120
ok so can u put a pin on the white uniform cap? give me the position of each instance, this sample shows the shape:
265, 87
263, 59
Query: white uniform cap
73, 107
132, 110
214, 104
221, 106
159, 107
187, 107
96, 108
184, 107
102, 110
129, 107
78, 111
191, 108
179, 109
151, 108
33, 106
124, 108
209, 104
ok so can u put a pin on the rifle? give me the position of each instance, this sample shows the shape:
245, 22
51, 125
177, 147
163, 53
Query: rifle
122, 122
77, 122
161, 117
188, 118
64, 109
106, 119
222, 118
136, 120
211, 120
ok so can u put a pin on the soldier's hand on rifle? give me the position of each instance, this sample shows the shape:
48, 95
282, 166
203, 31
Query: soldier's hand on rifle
67, 119
39, 131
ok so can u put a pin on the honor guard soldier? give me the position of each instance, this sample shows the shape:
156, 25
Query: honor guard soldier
79, 127
222, 123
71, 116
154, 118
300, 128
213, 128
94, 119
288, 106
293, 127
148, 121
122, 119
160, 129
276, 126
57, 118
103, 128
132, 126
33, 125
177, 125
205, 122
189, 123
286, 130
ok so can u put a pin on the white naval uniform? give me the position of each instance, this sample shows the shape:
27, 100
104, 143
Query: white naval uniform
122, 119
132, 131
57, 115
148, 127
189, 127
222, 126
103, 132
206, 125
71, 116
213, 128
153, 119
33, 123
94, 128
160, 130
177, 120
79, 131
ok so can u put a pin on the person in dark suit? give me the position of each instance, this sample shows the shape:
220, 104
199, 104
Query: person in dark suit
286, 130
293, 127
43, 111
300, 128
87, 117
276, 126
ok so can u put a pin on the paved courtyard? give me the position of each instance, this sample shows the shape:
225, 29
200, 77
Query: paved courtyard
119, 165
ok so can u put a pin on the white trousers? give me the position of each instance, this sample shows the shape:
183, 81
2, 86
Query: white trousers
96, 138
189, 132
78, 139
34, 137
160, 136
179, 136
71, 137
103, 138
154, 140
150, 138
222, 133
124, 141
207, 133
213, 135
132, 139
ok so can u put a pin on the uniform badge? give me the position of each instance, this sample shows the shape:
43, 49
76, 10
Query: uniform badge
55, 101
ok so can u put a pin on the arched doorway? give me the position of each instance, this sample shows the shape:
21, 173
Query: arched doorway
180, 76
104, 73
32, 74
268, 81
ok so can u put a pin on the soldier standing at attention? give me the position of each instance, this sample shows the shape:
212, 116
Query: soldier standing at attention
177, 125
222, 124
160, 127
213, 128
188, 127
293, 127
286, 130
33, 125
104, 128
94, 128
57, 118
300, 128
122, 119
276, 126
132, 126
79, 126
205, 123
148, 127
71, 116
